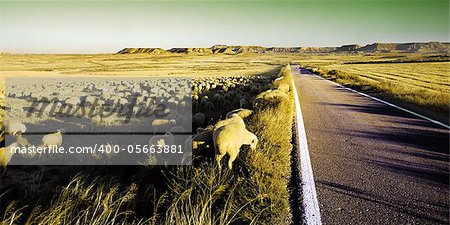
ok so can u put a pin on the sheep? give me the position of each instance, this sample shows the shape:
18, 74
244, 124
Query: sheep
243, 113
204, 137
156, 140
159, 125
234, 118
6, 154
183, 104
195, 106
163, 122
122, 101
169, 139
72, 101
177, 129
198, 119
203, 103
228, 139
22, 141
52, 139
210, 107
217, 97
15, 127
166, 139
243, 102
89, 100
182, 119
96, 120
282, 84
108, 120
227, 104
255, 89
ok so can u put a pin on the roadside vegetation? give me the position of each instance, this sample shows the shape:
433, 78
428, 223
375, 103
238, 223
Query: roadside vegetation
422, 86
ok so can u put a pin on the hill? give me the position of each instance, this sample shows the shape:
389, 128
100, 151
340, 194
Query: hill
406, 47
422, 47
142, 50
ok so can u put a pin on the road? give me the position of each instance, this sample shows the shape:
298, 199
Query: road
372, 163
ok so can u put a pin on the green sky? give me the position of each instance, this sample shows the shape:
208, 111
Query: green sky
108, 26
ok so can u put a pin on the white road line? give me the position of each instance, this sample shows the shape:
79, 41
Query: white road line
384, 102
310, 202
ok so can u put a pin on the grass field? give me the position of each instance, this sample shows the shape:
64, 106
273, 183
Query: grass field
423, 86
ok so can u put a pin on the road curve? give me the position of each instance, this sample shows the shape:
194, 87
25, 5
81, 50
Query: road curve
372, 163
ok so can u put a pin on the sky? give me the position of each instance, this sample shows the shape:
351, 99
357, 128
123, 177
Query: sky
108, 26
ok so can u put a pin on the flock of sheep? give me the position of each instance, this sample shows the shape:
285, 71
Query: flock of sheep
16, 130
103, 102
96, 105
220, 107
212, 98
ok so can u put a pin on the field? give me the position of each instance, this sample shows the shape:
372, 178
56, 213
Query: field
149, 194
254, 191
421, 86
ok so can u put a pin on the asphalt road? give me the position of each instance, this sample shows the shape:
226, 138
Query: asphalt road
372, 163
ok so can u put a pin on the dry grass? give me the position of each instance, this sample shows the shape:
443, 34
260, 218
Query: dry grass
425, 85
254, 193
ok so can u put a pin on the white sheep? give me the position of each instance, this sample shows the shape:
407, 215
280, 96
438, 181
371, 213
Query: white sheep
163, 122
15, 127
243, 113
23, 142
52, 139
109, 120
122, 101
229, 139
6, 155
72, 101
166, 139
90, 99
234, 118
96, 120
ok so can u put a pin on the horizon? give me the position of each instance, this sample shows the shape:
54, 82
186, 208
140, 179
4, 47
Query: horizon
65, 27
362, 45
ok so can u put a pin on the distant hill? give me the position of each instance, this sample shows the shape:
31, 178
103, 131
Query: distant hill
191, 50
142, 50
406, 47
347, 48
428, 47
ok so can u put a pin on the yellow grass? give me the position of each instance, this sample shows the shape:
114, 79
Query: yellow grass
424, 85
